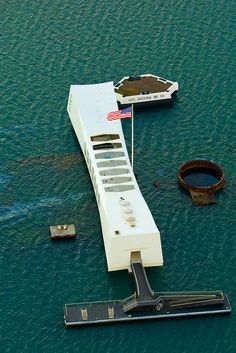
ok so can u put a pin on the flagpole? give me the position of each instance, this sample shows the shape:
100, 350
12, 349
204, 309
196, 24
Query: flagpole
132, 138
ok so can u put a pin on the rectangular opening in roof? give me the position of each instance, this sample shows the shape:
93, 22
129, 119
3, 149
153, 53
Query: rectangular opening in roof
119, 188
109, 155
115, 171
107, 146
111, 163
117, 180
105, 137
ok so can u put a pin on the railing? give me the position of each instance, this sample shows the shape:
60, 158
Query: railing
217, 294
128, 299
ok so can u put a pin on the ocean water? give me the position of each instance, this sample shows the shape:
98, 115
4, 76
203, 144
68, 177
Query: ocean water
48, 45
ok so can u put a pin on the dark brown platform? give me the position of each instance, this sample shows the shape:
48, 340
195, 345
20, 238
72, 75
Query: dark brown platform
144, 84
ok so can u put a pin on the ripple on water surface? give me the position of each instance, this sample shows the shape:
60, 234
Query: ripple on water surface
44, 180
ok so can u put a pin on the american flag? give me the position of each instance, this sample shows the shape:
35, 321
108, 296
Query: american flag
120, 114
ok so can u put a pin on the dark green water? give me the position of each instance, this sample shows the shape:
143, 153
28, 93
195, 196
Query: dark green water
48, 45
202, 177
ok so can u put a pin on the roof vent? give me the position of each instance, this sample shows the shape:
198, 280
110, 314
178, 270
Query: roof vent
128, 211
130, 219
124, 202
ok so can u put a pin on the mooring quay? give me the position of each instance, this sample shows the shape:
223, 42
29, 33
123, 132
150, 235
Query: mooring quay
146, 304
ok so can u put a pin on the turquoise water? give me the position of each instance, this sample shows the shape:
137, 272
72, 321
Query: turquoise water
49, 45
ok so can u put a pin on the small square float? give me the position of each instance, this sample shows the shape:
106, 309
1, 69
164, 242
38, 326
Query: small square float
62, 231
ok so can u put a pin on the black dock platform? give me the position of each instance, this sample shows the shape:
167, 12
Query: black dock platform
146, 304
168, 305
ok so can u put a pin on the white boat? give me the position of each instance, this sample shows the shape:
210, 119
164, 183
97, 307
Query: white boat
144, 90
127, 223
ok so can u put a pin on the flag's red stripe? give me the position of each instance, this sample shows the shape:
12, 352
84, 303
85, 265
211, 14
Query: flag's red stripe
118, 115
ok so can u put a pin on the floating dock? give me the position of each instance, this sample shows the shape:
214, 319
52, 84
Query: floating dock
91, 313
145, 304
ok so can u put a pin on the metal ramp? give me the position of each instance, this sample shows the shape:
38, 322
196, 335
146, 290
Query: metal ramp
144, 296
143, 288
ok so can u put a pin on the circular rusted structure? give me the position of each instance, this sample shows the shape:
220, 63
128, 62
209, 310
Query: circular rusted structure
205, 167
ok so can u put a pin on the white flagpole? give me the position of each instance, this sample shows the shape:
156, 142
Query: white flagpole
132, 139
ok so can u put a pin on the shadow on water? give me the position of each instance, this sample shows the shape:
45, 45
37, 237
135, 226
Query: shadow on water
162, 185
21, 209
162, 106
65, 160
